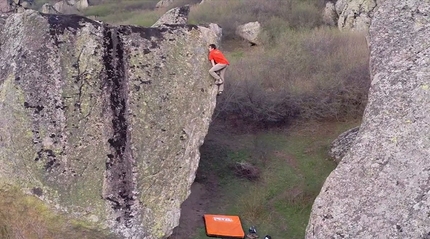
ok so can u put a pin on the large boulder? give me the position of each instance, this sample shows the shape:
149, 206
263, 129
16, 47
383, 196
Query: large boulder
70, 6
164, 3
355, 14
65, 8
81, 4
175, 16
48, 9
380, 189
212, 31
104, 122
250, 32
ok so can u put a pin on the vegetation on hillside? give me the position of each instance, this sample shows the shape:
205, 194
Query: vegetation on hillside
293, 166
27, 217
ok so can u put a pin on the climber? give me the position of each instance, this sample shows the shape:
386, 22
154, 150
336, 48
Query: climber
219, 65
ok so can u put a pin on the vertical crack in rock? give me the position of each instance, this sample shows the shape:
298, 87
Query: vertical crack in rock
120, 179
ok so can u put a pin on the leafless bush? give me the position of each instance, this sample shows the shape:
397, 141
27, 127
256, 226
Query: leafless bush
316, 74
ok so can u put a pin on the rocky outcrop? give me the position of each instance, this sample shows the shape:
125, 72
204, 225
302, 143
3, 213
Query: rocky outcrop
355, 14
82, 4
249, 32
330, 16
48, 9
174, 16
164, 3
214, 32
104, 122
66, 7
381, 188
342, 144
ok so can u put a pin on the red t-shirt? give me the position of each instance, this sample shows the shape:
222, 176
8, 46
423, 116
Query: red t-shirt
218, 57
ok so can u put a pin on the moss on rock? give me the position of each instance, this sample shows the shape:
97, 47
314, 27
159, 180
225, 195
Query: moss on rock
104, 122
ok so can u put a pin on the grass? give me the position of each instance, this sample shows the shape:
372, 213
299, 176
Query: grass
143, 18
133, 12
293, 164
26, 217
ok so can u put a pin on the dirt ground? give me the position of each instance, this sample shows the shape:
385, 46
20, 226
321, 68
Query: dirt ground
193, 209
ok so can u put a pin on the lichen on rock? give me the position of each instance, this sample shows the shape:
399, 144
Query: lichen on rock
380, 189
106, 122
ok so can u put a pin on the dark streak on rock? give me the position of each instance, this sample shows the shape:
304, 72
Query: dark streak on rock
119, 164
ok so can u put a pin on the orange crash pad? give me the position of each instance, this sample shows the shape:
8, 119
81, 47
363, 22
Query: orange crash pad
223, 226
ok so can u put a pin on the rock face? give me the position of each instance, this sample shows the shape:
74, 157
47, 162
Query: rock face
355, 14
4, 6
104, 122
174, 16
341, 146
249, 32
381, 187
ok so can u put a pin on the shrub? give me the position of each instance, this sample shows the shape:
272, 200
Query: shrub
308, 74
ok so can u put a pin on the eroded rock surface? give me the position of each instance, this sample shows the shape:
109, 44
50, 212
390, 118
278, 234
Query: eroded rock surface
342, 144
381, 188
355, 14
104, 122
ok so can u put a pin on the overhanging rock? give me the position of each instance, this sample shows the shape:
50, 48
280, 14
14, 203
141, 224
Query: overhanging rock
104, 122
381, 188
